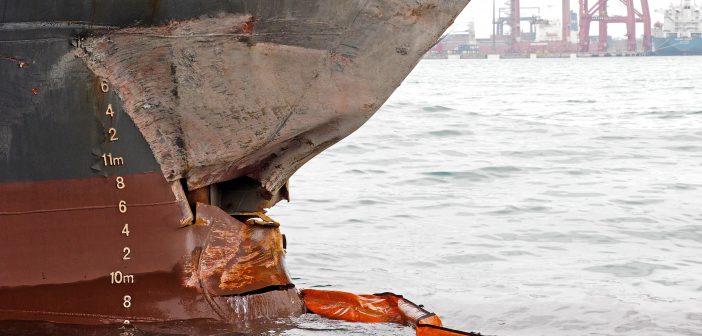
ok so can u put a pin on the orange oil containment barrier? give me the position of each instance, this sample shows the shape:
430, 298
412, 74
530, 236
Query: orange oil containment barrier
384, 307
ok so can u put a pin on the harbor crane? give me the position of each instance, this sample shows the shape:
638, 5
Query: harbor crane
598, 12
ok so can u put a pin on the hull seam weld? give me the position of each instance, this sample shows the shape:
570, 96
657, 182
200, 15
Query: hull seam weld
96, 207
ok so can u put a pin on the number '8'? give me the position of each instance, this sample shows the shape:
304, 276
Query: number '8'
120, 182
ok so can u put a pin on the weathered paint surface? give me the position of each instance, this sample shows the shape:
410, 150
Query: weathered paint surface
219, 98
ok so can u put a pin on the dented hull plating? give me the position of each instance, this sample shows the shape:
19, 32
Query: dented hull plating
141, 141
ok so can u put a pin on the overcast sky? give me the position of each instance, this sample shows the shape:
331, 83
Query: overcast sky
480, 11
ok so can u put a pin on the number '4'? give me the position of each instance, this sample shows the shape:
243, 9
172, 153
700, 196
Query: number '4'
125, 230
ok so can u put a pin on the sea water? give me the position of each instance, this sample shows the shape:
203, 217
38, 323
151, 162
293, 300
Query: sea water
512, 197
516, 197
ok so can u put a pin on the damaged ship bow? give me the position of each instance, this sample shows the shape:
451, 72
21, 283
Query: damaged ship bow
141, 142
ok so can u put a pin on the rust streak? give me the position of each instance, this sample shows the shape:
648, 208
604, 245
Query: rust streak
248, 26
20, 63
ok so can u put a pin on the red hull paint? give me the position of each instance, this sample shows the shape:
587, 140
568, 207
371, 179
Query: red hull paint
63, 239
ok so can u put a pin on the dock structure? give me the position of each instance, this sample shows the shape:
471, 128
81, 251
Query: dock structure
519, 32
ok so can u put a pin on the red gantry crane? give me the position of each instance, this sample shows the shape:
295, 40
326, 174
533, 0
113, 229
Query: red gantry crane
519, 43
598, 12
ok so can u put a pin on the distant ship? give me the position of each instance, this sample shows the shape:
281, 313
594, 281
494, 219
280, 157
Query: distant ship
681, 31
142, 140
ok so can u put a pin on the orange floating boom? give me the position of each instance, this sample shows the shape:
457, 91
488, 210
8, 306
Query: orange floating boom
376, 308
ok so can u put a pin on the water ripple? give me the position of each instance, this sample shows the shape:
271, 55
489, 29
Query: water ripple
631, 269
